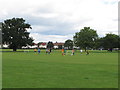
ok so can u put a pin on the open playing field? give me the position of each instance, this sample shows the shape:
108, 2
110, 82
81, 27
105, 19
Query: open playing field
99, 69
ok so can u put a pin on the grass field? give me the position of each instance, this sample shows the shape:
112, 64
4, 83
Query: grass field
33, 70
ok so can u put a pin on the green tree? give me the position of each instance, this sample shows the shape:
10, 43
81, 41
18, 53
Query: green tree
86, 38
111, 41
14, 33
50, 45
99, 43
119, 42
68, 44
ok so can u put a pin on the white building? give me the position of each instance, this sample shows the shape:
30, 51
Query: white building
57, 45
43, 45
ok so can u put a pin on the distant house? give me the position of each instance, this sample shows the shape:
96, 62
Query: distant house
58, 45
36, 45
43, 45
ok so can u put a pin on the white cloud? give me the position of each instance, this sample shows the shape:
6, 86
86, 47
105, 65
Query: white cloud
39, 29
45, 38
55, 18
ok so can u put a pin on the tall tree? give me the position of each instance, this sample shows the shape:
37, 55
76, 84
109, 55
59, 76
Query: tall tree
68, 44
86, 38
119, 42
50, 45
14, 33
111, 41
99, 43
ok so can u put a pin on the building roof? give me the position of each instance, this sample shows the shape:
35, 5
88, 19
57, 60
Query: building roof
43, 44
57, 44
40, 44
35, 44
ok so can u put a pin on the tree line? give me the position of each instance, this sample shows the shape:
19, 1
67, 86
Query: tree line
88, 38
15, 34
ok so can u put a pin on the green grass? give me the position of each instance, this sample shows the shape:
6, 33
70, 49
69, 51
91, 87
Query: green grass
33, 70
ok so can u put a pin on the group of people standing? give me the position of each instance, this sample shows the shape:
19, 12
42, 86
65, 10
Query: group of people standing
81, 51
64, 52
37, 50
49, 50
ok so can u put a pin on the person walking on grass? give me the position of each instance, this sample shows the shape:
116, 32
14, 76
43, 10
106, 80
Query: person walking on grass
50, 50
46, 50
73, 52
81, 51
62, 52
35, 50
38, 50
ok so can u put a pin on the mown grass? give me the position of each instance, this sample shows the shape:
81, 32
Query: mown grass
33, 70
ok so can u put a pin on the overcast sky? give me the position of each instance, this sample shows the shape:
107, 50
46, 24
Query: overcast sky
58, 20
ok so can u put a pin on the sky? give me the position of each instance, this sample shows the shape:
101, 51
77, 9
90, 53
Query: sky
59, 20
